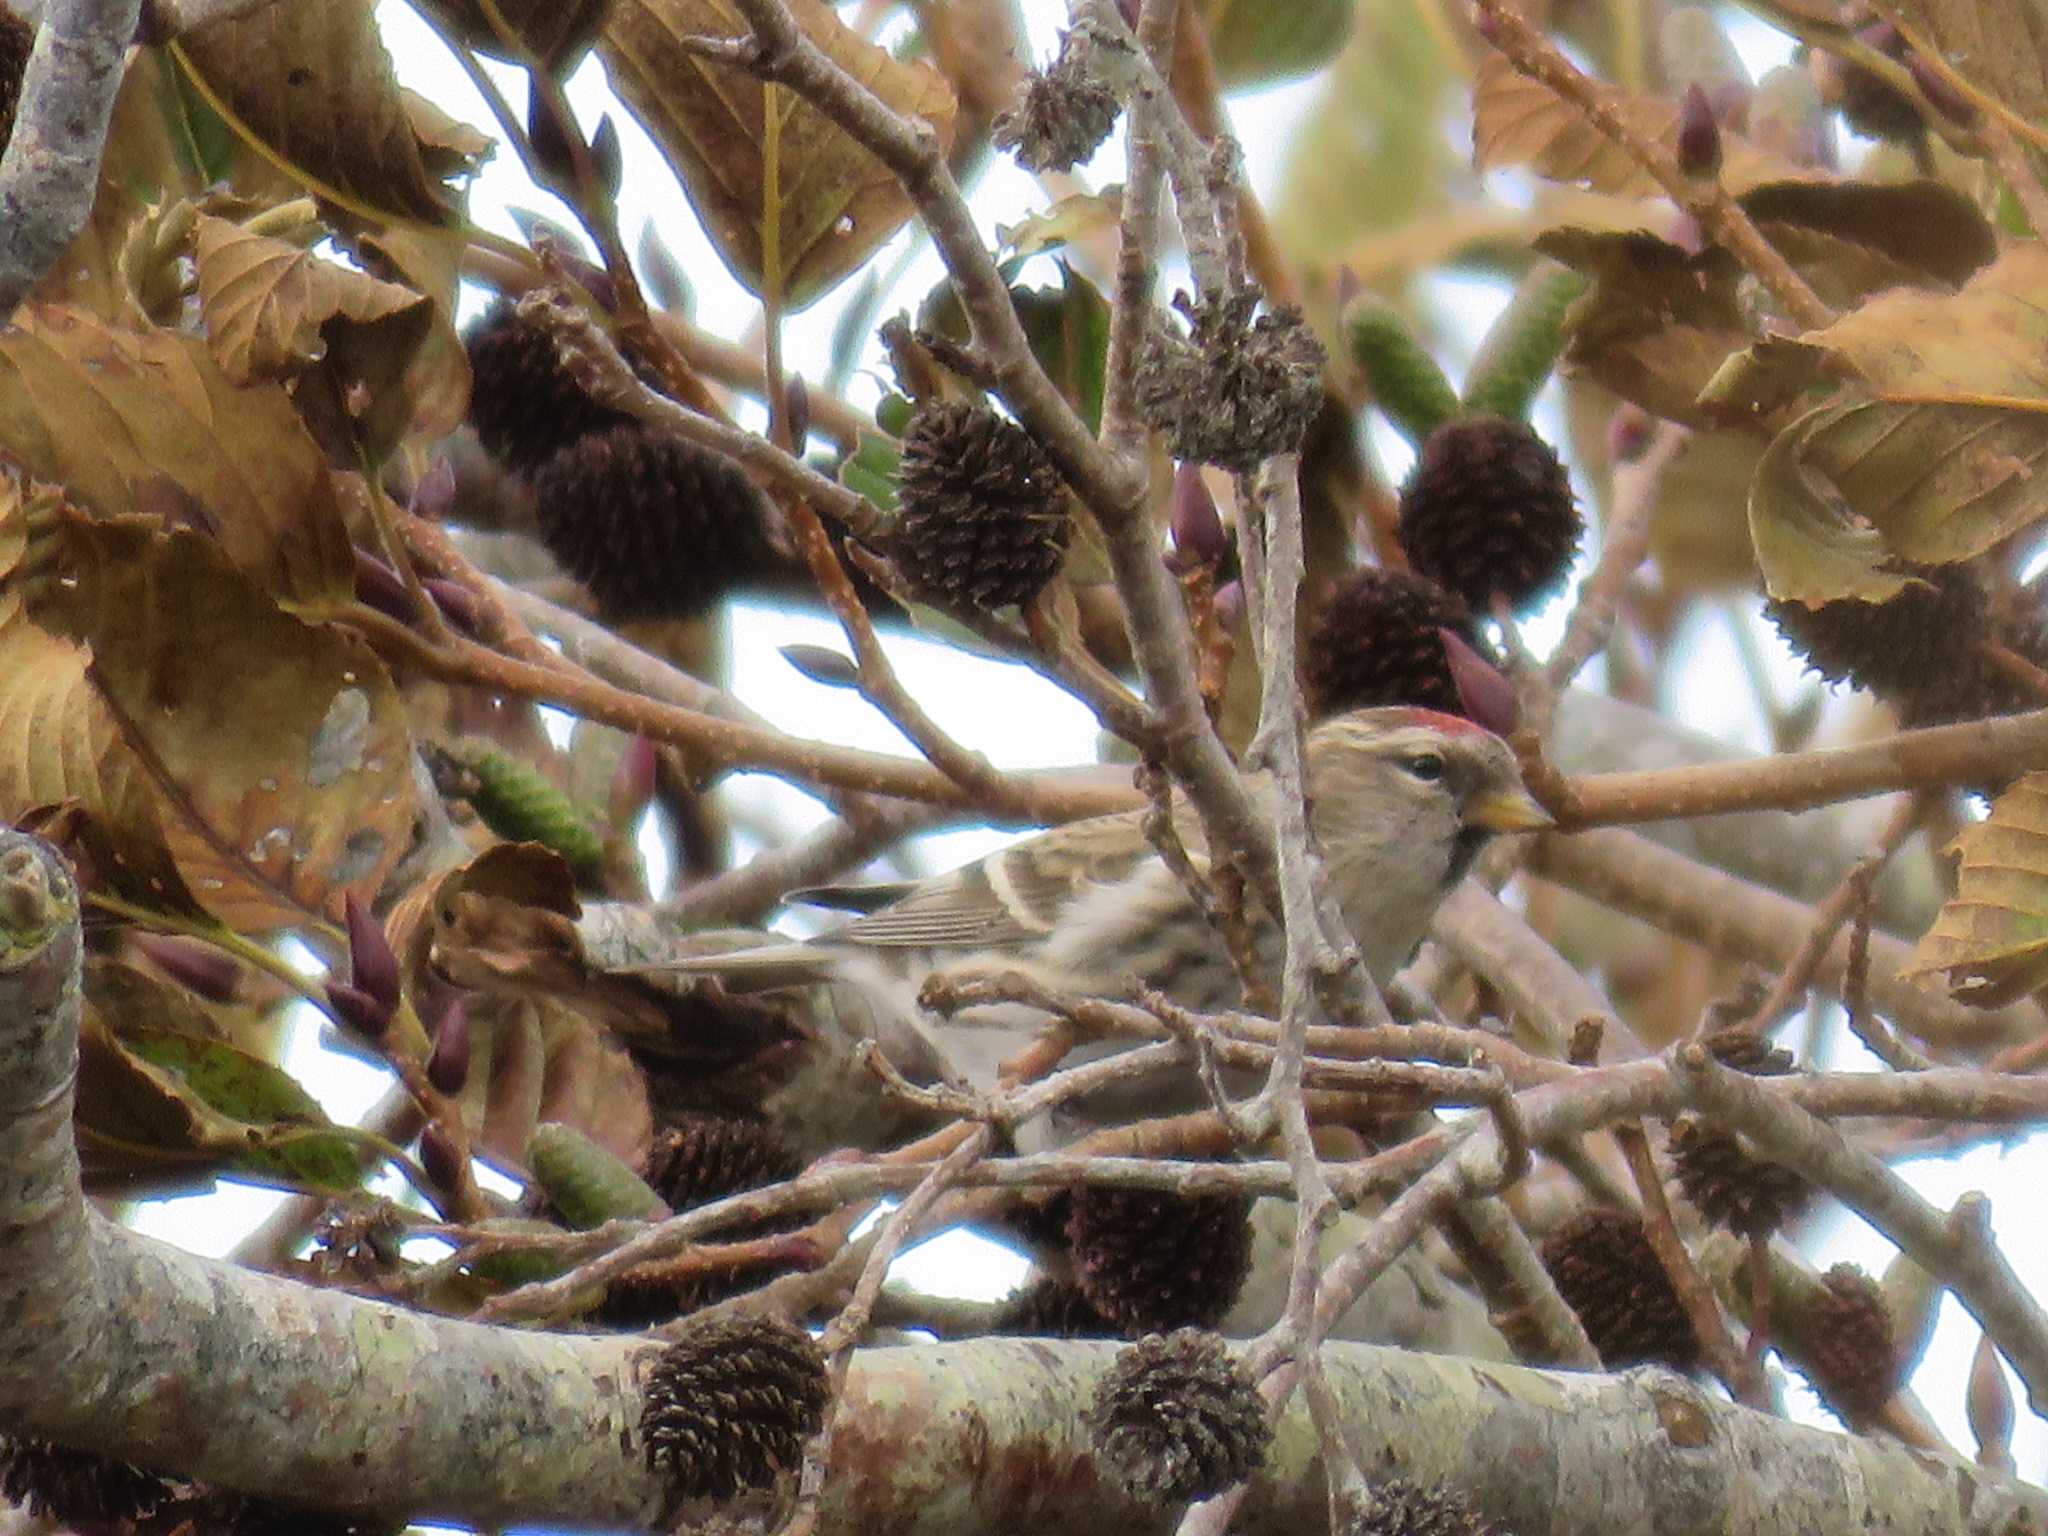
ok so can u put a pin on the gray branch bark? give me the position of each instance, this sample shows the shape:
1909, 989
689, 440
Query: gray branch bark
52, 166
121, 1345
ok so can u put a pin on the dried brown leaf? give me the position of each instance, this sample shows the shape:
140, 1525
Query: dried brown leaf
792, 203
271, 310
1990, 940
1519, 121
147, 421
276, 752
1938, 473
1996, 45
310, 83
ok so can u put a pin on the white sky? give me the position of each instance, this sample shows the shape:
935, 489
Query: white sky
1022, 721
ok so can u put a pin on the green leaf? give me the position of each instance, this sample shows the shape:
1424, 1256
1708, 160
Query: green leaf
172, 1099
1256, 42
871, 470
1372, 153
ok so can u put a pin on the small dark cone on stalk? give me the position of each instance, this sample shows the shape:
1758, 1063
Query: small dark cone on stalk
1604, 1267
983, 520
1151, 1261
1376, 639
522, 401
655, 527
729, 1404
1488, 512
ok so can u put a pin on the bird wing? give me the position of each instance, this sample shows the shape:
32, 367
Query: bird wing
1011, 898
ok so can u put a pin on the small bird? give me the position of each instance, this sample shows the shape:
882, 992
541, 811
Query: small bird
1401, 801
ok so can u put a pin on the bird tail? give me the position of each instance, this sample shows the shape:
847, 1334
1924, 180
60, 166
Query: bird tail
760, 969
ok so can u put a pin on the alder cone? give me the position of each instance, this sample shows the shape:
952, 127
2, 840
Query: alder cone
982, 517
523, 403
1729, 1184
76, 1487
1607, 1272
1376, 639
1401, 1508
655, 527
1050, 1308
729, 1405
1488, 512
1150, 1261
701, 1158
1920, 652
707, 1157
1850, 1353
1177, 1418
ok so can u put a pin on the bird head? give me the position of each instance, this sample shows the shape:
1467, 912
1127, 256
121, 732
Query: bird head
1402, 801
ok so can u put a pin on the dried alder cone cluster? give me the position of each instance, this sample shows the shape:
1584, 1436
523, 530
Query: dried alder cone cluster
256, 681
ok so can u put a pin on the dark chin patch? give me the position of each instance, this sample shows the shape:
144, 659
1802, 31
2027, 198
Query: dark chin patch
1465, 848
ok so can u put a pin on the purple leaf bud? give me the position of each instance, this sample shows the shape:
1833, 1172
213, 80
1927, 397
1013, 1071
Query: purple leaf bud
439, 1157
435, 493
548, 136
357, 1009
198, 968
1699, 135
454, 600
448, 1067
1198, 537
1228, 605
373, 968
1484, 692
606, 158
633, 780
822, 664
1882, 36
1941, 96
797, 399
379, 587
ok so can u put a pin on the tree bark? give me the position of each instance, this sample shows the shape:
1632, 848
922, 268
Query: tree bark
121, 1345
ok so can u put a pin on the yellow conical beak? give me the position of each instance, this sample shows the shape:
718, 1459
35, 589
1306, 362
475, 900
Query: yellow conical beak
1507, 810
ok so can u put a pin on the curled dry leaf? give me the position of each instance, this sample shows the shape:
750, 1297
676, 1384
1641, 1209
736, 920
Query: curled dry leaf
1939, 472
310, 83
542, 1021
155, 685
356, 345
1989, 943
736, 143
132, 421
1996, 45
1519, 121
272, 310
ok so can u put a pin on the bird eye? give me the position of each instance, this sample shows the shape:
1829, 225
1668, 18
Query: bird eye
1426, 766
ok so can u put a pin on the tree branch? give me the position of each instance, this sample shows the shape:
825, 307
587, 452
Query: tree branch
51, 170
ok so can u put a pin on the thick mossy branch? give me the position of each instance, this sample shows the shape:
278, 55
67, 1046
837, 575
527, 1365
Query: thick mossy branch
121, 1345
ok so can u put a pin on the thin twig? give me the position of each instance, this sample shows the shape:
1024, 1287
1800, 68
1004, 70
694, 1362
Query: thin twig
1742, 1375
1717, 213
